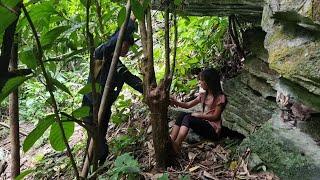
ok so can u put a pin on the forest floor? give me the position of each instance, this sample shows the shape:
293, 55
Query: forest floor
201, 160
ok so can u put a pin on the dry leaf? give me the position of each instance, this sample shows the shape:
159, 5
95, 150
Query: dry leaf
194, 168
191, 155
233, 165
208, 175
149, 129
223, 157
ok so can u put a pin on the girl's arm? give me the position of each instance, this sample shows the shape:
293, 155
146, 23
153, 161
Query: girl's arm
185, 105
210, 116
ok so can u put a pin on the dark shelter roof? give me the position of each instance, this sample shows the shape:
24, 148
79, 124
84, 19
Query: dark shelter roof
248, 10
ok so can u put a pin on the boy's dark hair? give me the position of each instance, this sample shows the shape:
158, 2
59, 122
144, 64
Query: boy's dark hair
106, 49
212, 79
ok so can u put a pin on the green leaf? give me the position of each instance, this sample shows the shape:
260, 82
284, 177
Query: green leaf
127, 164
52, 35
137, 9
23, 174
81, 112
88, 88
178, 2
146, 3
186, 177
55, 137
10, 3
60, 86
37, 132
193, 60
165, 176
121, 16
7, 18
28, 58
11, 85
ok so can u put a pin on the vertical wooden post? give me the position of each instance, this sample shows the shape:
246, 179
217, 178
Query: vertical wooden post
14, 118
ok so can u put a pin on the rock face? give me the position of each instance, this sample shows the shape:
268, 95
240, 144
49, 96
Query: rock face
293, 41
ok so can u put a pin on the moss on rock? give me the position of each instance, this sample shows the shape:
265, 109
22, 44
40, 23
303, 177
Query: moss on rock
280, 154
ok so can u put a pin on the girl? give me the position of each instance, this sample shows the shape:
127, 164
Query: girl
207, 123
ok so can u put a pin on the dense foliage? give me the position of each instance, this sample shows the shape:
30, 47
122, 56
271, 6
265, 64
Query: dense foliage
61, 27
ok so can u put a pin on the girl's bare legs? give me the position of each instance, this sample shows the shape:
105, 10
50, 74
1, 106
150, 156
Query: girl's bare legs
174, 132
183, 131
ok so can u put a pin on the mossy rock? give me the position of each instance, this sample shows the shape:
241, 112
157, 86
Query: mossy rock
246, 109
287, 152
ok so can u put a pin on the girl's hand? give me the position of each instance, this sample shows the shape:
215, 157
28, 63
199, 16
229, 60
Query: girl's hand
173, 101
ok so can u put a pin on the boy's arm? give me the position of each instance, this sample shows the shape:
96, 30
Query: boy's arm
134, 81
210, 116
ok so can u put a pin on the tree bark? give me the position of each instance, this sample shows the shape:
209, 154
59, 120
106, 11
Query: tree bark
156, 97
14, 118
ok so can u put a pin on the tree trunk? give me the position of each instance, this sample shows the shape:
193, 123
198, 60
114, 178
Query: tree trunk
14, 118
160, 136
155, 96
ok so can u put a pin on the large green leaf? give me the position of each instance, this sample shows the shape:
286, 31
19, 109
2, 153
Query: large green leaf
81, 112
10, 3
11, 85
28, 58
55, 137
61, 86
37, 132
121, 16
7, 17
24, 174
40, 13
53, 34
137, 9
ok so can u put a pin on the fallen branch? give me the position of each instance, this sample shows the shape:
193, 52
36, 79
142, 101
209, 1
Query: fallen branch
7, 126
241, 159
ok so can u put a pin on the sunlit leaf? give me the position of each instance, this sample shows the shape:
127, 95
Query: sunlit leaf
11, 85
81, 112
137, 9
23, 174
121, 16
56, 138
38, 131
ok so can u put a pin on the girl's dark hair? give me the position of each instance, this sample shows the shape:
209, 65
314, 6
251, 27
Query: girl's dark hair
212, 79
